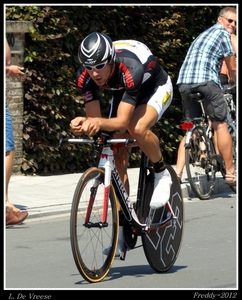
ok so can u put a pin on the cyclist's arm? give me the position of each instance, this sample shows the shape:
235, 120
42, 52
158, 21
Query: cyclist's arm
231, 65
92, 125
93, 109
234, 43
120, 122
234, 46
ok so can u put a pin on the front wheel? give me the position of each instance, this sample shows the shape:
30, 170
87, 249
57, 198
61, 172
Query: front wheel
200, 171
90, 231
162, 245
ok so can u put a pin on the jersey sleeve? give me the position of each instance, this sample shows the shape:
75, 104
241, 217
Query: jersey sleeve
133, 77
85, 85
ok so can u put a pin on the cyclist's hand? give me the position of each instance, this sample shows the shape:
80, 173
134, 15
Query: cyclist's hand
76, 125
82, 125
91, 126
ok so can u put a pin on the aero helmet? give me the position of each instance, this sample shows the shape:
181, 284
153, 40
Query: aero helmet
95, 48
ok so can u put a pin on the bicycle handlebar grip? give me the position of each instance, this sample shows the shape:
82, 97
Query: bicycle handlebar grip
63, 140
131, 140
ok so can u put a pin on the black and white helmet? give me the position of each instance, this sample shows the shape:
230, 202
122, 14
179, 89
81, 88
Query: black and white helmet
95, 48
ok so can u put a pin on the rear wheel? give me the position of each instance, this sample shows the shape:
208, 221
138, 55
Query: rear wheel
234, 149
200, 171
162, 245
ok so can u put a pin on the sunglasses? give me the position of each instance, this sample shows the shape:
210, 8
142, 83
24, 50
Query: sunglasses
229, 20
97, 67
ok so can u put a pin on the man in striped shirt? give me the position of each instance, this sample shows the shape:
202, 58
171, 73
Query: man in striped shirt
200, 72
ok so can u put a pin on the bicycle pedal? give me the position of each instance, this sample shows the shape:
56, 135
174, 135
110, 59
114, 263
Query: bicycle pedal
218, 157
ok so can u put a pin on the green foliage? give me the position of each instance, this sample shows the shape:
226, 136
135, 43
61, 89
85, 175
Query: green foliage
51, 97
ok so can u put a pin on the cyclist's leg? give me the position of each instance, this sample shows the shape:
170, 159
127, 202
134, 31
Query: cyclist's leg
149, 144
215, 140
191, 109
121, 158
180, 162
234, 149
121, 163
144, 117
224, 143
122, 155
216, 108
162, 244
200, 172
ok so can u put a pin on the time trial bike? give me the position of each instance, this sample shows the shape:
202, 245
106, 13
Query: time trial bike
94, 221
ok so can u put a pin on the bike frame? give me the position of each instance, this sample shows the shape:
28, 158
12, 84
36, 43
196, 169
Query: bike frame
110, 146
230, 103
107, 163
204, 124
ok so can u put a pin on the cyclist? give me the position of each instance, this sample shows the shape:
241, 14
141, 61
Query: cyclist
141, 92
200, 72
224, 73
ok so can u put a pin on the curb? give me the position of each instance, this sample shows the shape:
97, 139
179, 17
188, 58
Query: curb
62, 209
220, 188
40, 212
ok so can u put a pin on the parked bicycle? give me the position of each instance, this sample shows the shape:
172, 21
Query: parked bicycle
202, 162
94, 221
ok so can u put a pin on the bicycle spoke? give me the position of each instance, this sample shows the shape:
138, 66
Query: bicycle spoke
200, 171
89, 236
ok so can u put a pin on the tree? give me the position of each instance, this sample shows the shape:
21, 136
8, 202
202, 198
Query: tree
51, 98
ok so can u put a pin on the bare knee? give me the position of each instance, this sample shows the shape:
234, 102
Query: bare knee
138, 132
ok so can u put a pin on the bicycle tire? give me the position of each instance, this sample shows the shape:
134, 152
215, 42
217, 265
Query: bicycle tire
88, 242
200, 170
161, 246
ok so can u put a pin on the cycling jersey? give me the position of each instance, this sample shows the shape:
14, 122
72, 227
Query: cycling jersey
136, 77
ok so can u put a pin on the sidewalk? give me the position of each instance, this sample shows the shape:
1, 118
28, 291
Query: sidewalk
51, 195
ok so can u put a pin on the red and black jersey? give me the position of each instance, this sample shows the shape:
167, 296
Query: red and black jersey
137, 74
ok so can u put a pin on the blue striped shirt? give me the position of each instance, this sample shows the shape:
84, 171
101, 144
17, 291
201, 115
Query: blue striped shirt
204, 57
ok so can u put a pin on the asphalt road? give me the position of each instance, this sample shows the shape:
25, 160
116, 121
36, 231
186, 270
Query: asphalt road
38, 257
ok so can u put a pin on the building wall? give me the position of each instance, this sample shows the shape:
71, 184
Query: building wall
14, 90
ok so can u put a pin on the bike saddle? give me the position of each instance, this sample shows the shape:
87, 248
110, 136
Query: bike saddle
195, 96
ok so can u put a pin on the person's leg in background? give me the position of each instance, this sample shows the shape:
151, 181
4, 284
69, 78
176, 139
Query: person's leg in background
216, 108
13, 214
191, 109
180, 163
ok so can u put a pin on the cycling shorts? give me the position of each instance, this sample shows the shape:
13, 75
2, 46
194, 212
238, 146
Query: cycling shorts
160, 98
